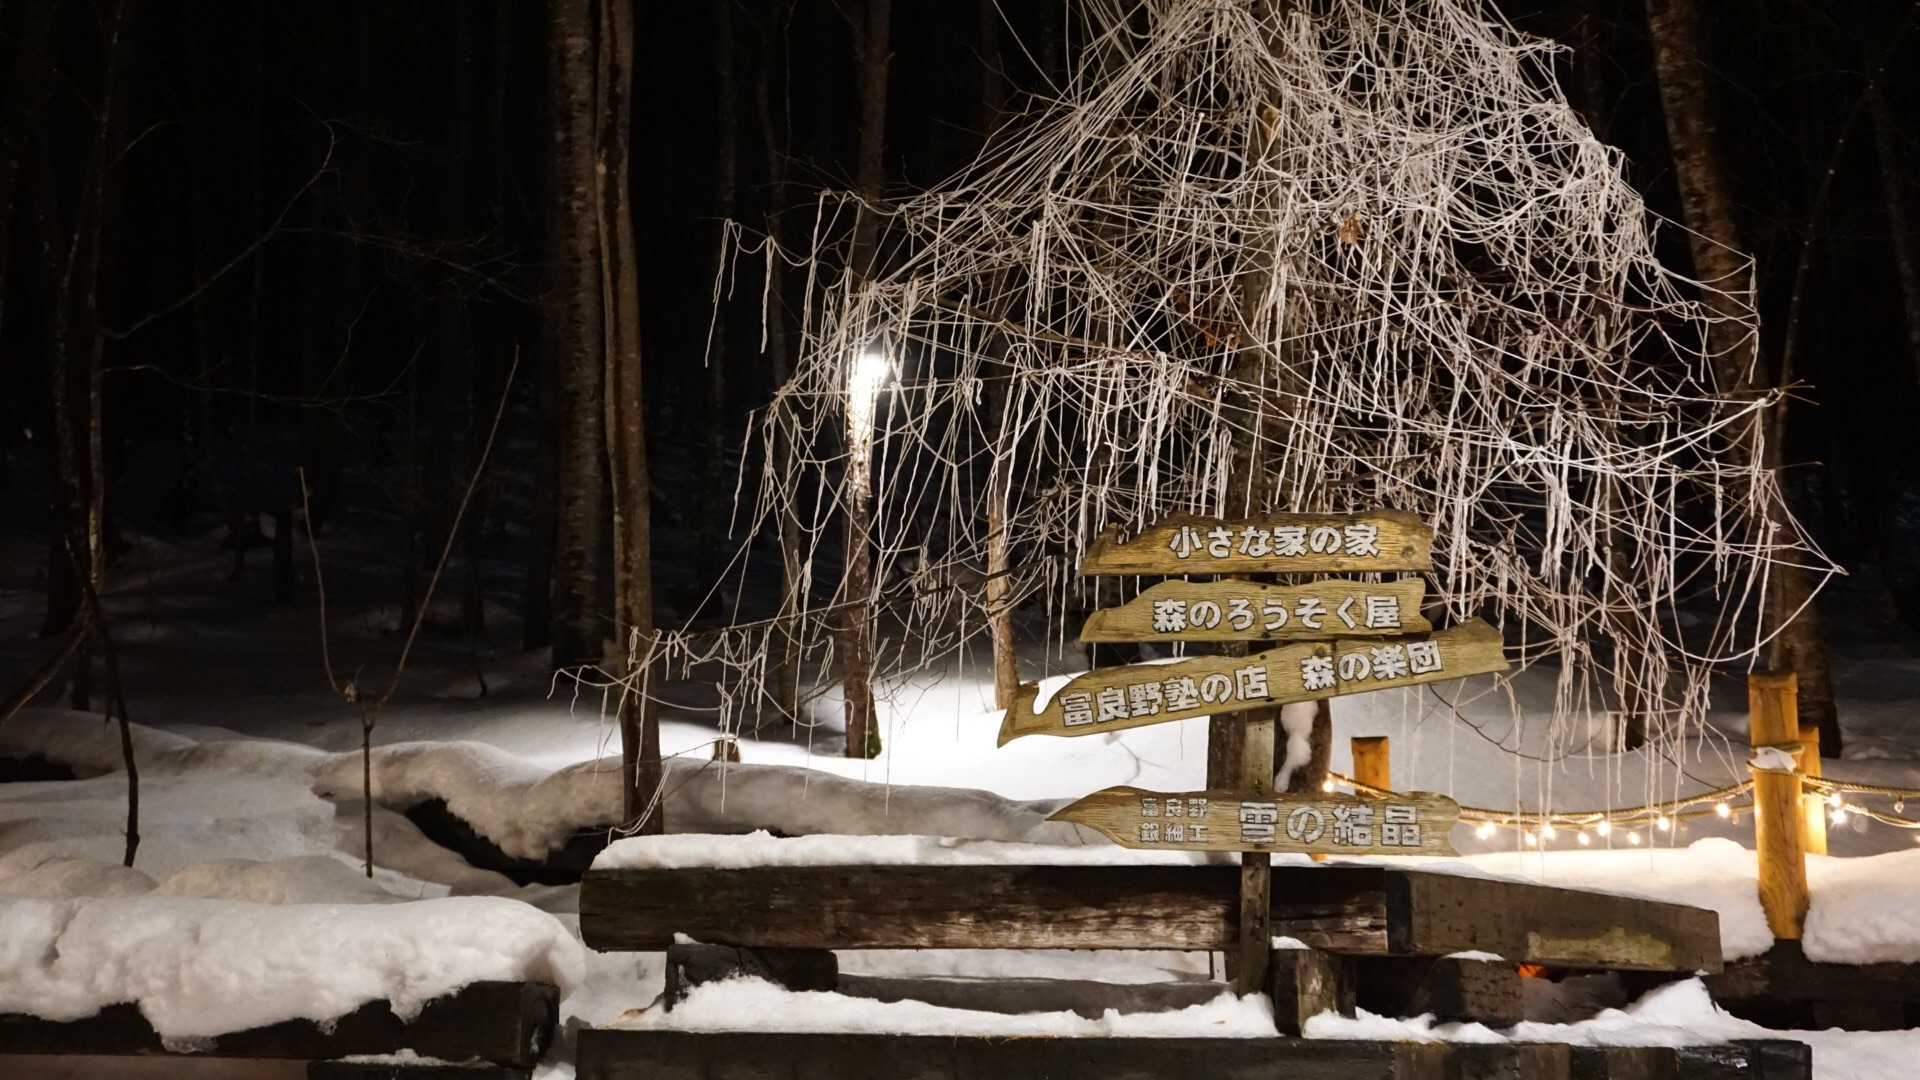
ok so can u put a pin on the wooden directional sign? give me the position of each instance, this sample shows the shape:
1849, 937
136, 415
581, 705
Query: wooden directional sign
1241, 610
1126, 697
1414, 823
1274, 544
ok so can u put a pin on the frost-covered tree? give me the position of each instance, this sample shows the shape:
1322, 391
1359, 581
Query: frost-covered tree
1320, 255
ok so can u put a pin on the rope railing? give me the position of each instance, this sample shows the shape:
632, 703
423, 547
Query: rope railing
1662, 816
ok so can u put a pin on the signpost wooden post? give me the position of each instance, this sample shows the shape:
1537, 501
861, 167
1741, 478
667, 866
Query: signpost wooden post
1334, 636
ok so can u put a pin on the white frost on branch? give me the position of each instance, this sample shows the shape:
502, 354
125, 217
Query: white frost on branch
1313, 256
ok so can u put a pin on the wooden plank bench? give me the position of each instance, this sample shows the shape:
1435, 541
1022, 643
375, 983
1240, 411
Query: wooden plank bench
1379, 938
509, 1024
1356, 911
614, 1054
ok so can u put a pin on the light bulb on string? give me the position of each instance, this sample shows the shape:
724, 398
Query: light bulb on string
1547, 833
1584, 838
1662, 823
1839, 817
1833, 799
1532, 840
1326, 785
1633, 838
1723, 809
1605, 828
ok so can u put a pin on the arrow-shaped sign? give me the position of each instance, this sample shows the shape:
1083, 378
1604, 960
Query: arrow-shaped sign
1412, 823
1126, 697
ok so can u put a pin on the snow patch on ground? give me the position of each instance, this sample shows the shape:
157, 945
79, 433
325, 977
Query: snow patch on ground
1864, 910
763, 849
200, 968
529, 810
756, 1005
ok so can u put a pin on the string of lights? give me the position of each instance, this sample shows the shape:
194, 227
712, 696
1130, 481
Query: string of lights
1727, 803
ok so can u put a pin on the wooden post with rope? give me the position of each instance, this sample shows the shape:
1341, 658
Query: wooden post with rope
1779, 821
1813, 805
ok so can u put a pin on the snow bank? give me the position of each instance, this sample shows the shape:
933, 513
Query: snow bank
1864, 910
309, 879
83, 740
59, 877
756, 1005
200, 968
91, 746
1678, 1014
528, 811
763, 849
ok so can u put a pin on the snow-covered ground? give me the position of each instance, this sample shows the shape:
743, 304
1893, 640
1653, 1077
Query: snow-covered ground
251, 826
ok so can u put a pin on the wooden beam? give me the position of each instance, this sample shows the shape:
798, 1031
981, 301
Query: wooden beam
1440, 914
614, 1054
1014, 996
1303, 983
1452, 988
624, 1054
1361, 910
914, 907
507, 1023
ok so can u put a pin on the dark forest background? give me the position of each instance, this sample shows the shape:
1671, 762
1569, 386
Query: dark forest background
313, 239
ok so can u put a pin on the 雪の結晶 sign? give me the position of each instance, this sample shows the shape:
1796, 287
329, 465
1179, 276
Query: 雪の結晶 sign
1112, 699
1412, 823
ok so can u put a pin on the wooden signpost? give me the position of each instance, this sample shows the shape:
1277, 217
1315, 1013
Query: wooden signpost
1275, 544
1415, 823
1238, 610
1112, 699
1346, 637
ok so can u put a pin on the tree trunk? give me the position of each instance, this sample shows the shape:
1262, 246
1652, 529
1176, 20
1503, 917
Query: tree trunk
626, 429
1896, 561
1893, 186
726, 206
578, 339
993, 75
785, 641
856, 645
1006, 654
1719, 261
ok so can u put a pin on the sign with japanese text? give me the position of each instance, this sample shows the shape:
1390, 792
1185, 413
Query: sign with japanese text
1413, 823
1274, 544
1112, 699
1242, 610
